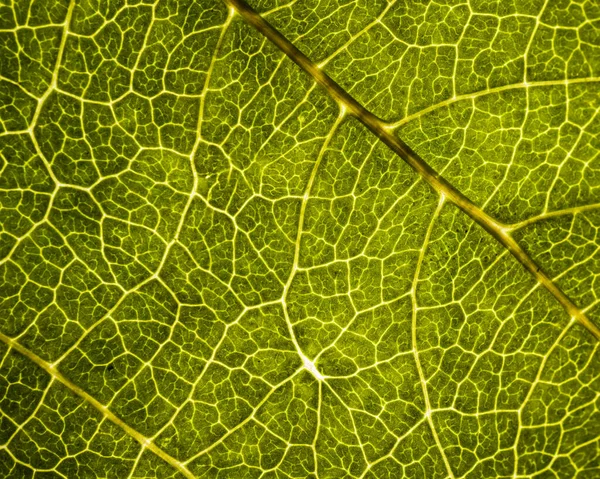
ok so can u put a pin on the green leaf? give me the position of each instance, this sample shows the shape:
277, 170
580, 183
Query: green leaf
299, 239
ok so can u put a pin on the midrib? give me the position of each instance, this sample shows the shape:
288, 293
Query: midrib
380, 129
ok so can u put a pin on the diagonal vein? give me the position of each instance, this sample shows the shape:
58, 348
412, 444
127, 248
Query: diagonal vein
398, 146
471, 96
55, 374
415, 349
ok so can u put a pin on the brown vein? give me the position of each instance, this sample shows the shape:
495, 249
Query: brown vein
442, 186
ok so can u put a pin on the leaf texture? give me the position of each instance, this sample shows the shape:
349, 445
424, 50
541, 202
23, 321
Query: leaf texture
369, 249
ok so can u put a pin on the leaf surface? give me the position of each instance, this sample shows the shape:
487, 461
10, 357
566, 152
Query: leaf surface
215, 264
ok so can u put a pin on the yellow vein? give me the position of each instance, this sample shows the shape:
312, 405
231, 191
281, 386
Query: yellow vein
534, 383
552, 214
55, 374
250, 417
51, 368
155, 276
32, 125
308, 364
59, 57
313, 444
489, 91
398, 146
353, 38
415, 349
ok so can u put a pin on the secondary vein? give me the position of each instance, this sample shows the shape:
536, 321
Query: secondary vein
55, 374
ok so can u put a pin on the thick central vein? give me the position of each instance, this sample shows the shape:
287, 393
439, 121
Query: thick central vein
398, 146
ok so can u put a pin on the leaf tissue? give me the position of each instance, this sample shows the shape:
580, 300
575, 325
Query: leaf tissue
299, 239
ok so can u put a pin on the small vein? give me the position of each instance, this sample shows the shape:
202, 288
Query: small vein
489, 91
552, 214
306, 361
415, 349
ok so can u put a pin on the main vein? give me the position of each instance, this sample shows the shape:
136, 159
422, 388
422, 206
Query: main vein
398, 146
